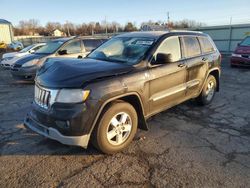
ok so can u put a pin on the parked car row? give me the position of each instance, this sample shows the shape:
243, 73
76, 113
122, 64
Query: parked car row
24, 64
8, 59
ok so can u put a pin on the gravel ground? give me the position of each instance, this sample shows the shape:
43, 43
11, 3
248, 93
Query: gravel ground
187, 146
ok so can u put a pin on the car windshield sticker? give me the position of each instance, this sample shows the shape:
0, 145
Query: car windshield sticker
144, 42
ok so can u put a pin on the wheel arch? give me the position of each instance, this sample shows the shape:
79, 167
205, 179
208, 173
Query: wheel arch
216, 74
132, 98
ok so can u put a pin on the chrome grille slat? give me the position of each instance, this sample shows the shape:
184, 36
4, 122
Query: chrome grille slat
42, 97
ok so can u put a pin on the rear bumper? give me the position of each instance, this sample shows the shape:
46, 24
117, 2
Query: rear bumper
240, 61
54, 134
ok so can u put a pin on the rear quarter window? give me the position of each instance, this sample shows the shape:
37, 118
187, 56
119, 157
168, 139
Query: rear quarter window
191, 46
206, 45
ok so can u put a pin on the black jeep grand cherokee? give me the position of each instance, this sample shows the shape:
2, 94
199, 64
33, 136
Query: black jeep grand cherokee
131, 77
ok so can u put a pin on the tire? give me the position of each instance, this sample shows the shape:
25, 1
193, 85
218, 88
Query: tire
208, 91
110, 123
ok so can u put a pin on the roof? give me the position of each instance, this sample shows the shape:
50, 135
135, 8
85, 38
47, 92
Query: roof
2, 21
157, 34
62, 39
144, 34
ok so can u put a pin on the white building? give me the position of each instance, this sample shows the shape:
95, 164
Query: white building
58, 33
6, 32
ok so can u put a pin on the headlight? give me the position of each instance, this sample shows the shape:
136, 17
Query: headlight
236, 55
7, 58
72, 95
30, 63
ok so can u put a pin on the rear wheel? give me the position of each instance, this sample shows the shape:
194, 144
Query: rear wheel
208, 91
116, 128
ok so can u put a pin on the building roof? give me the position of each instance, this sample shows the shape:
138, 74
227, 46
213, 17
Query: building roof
2, 21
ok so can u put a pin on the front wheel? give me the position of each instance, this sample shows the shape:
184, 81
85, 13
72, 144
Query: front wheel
116, 128
208, 91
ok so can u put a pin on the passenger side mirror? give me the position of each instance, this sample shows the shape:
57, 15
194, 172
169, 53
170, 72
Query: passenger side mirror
62, 52
162, 58
32, 51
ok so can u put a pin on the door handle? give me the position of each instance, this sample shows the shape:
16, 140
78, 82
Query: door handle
182, 65
204, 59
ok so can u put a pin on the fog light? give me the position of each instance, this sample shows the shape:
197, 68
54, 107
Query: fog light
63, 124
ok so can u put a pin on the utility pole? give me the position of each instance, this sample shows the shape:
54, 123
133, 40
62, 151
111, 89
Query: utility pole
106, 27
168, 18
230, 34
67, 25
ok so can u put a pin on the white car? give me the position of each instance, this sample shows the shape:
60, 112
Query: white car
15, 45
9, 59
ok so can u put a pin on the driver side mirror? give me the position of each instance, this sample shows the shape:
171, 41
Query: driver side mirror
62, 52
162, 58
32, 51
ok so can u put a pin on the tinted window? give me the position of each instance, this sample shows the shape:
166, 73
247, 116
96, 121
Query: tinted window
170, 46
206, 44
37, 48
192, 47
245, 42
50, 47
91, 44
73, 47
27, 48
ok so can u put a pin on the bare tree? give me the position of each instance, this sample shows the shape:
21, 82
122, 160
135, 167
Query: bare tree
130, 27
28, 27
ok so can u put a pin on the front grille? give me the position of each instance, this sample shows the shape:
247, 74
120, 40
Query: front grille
16, 66
246, 56
42, 97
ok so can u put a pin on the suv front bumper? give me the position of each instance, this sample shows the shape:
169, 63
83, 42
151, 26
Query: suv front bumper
54, 134
240, 61
70, 124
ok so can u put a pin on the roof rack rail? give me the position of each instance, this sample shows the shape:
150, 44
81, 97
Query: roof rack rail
188, 31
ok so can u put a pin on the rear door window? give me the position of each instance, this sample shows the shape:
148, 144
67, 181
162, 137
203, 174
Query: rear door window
191, 46
91, 44
206, 45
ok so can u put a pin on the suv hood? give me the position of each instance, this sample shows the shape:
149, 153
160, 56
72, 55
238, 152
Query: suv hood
75, 73
243, 50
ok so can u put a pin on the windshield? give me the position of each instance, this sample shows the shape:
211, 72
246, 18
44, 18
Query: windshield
50, 47
26, 49
245, 42
127, 50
